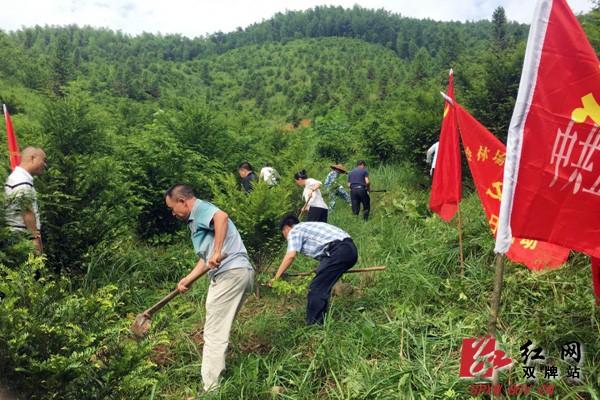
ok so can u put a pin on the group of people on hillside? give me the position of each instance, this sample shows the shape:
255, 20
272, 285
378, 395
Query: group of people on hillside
314, 205
215, 240
219, 247
223, 256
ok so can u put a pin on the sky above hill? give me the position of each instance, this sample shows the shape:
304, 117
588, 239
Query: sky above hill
200, 17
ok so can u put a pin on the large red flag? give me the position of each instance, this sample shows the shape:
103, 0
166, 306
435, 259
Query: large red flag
552, 171
486, 155
446, 187
11, 140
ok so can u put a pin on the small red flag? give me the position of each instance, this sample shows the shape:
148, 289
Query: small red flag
552, 172
11, 140
486, 156
446, 188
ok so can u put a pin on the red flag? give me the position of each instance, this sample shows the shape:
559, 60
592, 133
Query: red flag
552, 173
446, 187
596, 279
486, 156
11, 140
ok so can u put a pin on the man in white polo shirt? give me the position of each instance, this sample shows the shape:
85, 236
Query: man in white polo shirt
22, 213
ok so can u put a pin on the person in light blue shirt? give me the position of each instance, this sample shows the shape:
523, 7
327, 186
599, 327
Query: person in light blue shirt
222, 254
334, 249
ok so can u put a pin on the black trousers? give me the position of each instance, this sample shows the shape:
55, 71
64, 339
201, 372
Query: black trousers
342, 256
317, 214
360, 196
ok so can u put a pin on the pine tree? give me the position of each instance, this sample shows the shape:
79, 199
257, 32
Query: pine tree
499, 21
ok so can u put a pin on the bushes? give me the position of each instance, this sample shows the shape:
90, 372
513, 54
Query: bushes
334, 138
154, 161
84, 191
57, 344
256, 214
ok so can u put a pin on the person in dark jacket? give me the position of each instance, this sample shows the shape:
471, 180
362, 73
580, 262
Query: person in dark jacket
360, 185
248, 176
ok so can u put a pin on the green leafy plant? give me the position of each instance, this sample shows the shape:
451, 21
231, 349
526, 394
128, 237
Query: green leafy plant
57, 343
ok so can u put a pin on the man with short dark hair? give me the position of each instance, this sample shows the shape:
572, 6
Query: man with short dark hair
22, 213
335, 251
222, 254
248, 176
360, 185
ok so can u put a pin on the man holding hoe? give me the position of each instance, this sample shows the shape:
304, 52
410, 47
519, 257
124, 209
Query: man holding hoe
222, 254
329, 244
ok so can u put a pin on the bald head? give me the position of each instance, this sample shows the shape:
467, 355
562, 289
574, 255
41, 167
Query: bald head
33, 160
31, 151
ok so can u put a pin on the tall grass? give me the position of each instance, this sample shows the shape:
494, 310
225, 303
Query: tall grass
398, 335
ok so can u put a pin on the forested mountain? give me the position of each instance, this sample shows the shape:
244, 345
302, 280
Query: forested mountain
123, 117
270, 73
368, 81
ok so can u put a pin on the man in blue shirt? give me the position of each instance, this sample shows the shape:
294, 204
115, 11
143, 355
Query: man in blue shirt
358, 181
335, 251
223, 255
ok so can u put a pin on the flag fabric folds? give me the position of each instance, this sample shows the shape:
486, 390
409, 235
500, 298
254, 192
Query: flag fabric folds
551, 186
485, 156
11, 140
596, 278
446, 188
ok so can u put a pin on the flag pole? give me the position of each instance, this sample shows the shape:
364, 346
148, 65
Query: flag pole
460, 241
460, 244
496, 295
495, 303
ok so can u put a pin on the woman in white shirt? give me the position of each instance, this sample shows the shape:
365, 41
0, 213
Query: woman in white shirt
314, 203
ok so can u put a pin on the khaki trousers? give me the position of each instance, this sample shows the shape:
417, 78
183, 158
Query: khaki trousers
226, 295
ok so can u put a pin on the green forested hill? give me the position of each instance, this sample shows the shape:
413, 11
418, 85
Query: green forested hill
150, 67
282, 77
122, 118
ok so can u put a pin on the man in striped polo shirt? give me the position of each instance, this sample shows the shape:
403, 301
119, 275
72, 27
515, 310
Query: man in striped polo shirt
335, 251
22, 213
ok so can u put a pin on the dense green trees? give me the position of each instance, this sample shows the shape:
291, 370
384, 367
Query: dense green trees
122, 117
130, 106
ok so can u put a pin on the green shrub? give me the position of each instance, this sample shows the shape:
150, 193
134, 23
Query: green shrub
57, 344
84, 192
256, 214
334, 141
